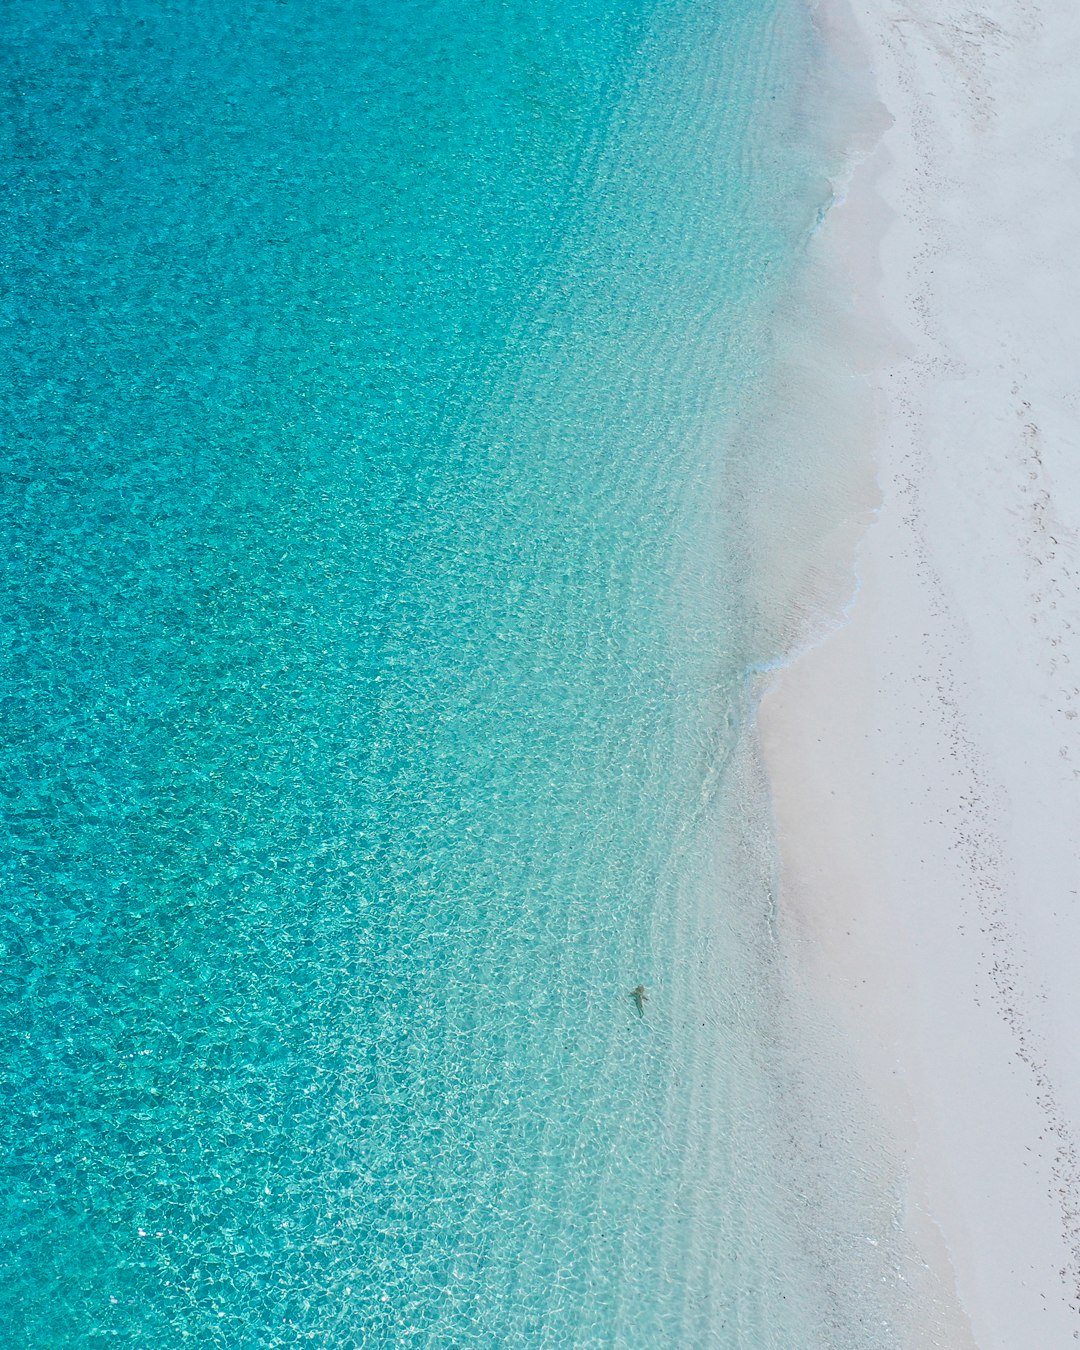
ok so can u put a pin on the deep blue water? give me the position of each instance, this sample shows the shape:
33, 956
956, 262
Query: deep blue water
373, 649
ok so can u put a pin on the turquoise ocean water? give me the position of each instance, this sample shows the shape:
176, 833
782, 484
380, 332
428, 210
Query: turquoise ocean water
375, 650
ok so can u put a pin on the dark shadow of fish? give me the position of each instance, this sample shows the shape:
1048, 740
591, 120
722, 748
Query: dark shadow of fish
639, 996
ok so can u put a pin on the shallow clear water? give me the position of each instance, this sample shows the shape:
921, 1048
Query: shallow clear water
375, 653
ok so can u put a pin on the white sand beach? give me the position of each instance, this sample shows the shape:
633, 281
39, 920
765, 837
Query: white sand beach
925, 757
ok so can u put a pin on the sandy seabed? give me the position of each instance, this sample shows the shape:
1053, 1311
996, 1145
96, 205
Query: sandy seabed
924, 759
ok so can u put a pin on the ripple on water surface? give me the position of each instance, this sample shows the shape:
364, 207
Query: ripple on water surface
374, 667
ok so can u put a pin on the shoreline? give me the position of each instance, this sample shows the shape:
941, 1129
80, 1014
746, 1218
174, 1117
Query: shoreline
924, 757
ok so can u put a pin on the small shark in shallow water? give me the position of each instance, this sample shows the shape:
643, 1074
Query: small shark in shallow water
639, 996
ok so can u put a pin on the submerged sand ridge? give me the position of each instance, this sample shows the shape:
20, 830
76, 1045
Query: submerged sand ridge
925, 758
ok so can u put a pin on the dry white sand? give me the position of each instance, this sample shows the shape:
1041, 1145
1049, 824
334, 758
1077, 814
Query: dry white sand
925, 757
